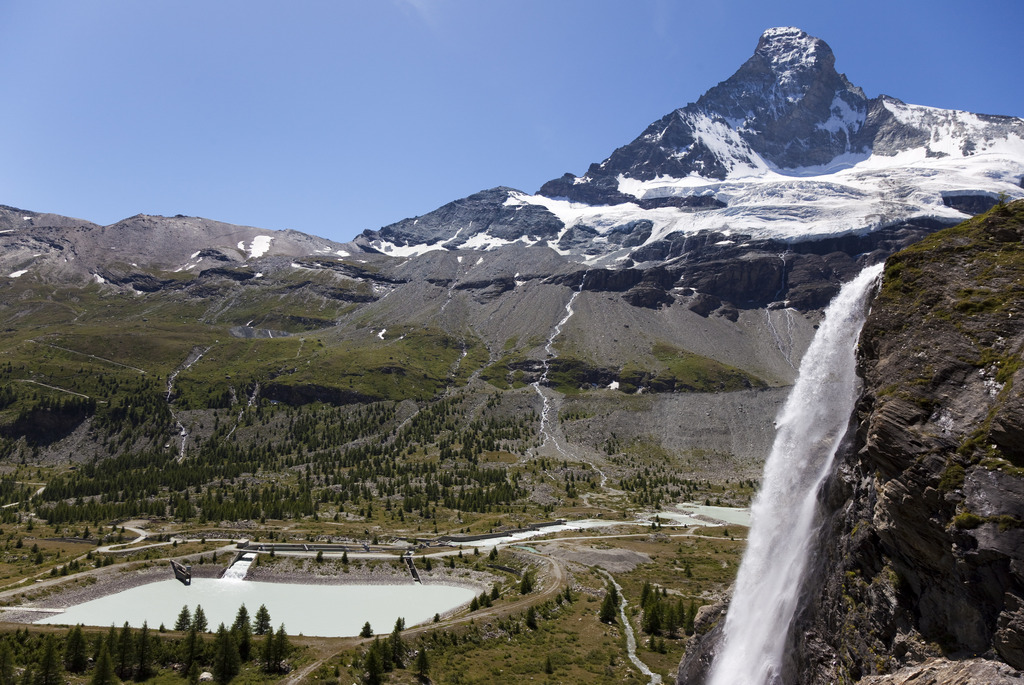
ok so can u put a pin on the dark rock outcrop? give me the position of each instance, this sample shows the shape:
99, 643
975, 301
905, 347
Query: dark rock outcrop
308, 393
456, 222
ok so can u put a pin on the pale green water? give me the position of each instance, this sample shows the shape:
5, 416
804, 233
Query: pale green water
323, 610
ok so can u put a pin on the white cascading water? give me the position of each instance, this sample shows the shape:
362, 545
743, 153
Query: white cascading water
239, 569
809, 430
549, 354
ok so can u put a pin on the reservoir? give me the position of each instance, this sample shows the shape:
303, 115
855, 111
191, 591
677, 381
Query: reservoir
683, 514
688, 513
321, 610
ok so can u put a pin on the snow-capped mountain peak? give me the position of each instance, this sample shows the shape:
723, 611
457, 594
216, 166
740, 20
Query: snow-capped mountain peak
786, 148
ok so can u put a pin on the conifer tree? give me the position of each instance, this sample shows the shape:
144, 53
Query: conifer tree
49, 664
6, 663
422, 664
243, 638
75, 658
397, 645
609, 605
282, 646
125, 660
191, 649
199, 620
226, 662
111, 642
103, 673
691, 615
242, 617
143, 654
675, 614
262, 623
184, 619
374, 668
267, 652
384, 652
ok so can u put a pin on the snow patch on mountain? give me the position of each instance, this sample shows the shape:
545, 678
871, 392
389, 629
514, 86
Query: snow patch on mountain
259, 246
844, 118
486, 241
395, 250
724, 142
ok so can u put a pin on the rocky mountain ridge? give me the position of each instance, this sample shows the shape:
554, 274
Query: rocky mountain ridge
66, 249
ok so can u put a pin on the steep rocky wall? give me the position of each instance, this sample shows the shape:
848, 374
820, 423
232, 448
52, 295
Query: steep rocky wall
922, 563
920, 573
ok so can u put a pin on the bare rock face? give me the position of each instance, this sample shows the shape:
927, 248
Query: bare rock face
487, 212
946, 672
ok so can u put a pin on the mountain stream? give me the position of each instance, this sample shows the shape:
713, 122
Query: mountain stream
549, 354
546, 408
195, 355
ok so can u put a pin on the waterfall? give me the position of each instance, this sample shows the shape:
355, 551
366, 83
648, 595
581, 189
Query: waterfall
549, 354
239, 569
810, 428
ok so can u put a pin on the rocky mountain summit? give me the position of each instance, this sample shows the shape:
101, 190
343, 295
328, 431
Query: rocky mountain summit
786, 149
786, 106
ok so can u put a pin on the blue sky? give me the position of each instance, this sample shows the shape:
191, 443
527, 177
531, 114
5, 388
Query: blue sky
334, 116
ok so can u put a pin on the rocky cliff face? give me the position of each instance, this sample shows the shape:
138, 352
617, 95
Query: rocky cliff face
921, 572
925, 545
58, 248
